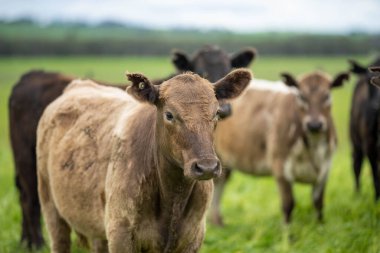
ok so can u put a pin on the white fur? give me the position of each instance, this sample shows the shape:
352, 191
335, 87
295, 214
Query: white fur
275, 86
86, 87
308, 165
120, 126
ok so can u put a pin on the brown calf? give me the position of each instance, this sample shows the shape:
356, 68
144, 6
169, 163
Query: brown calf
280, 131
36, 89
131, 176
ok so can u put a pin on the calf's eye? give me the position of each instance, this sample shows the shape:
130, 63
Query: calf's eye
217, 116
303, 98
169, 116
303, 101
327, 100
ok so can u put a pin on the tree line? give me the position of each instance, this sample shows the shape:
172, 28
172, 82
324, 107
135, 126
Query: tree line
25, 37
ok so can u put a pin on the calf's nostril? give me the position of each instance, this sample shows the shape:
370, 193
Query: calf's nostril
216, 167
314, 126
206, 169
207, 166
198, 169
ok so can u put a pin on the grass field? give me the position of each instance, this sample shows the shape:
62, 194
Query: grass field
250, 205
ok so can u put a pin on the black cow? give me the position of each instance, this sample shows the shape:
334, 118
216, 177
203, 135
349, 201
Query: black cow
365, 125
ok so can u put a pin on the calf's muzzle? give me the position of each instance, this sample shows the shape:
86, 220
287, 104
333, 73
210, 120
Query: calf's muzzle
205, 169
314, 126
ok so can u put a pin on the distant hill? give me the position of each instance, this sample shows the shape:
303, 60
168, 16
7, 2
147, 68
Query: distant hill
25, 37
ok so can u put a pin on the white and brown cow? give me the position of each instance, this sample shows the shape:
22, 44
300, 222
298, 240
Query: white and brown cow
129, 175
280, 131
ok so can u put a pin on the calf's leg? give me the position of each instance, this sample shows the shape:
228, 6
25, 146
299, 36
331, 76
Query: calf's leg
285, 189
24, 233
26, 182
58, 229
121, 237
219, 184
287, 200
99, 246
34, 207
357, 155
31, 215
318, 193
375, 173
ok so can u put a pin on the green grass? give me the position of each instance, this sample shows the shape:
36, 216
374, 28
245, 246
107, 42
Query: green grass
250, 205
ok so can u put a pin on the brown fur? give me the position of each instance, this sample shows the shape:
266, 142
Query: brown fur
123, 173
36, 89
269, 131
29, 98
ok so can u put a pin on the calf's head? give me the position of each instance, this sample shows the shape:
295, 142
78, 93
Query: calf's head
367, 75
187, 113
211, 62
314, 98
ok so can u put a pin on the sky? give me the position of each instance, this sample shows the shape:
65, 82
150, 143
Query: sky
315, 16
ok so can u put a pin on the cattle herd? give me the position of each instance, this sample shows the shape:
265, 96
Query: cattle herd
135, 168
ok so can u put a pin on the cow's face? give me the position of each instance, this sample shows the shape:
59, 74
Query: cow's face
314, 98
187, 114
211, 62
368, 75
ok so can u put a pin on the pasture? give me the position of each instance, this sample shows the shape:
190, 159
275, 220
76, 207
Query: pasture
250, 205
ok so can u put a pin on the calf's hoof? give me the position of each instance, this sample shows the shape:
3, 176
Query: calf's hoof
33, 244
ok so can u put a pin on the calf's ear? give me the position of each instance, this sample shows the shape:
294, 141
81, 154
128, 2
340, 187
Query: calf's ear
339, 80
374, 69
375, 80
356, 68
289, 80
181, 61
142, 89
243, 59
233, 84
